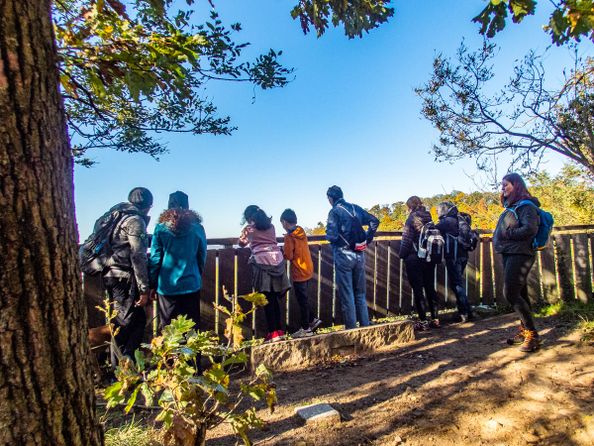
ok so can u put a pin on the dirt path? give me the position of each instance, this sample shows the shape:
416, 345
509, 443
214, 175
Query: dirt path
459, 385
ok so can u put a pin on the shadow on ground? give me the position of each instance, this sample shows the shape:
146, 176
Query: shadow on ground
458, 385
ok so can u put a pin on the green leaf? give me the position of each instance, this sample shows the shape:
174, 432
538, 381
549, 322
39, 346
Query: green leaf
132, 399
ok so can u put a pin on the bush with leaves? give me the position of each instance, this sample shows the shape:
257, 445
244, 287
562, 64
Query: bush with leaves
191, 402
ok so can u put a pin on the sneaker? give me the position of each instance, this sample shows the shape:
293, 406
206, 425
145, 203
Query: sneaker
278, 335
434, 323
531, 341
302, 333
421, 325
315, 324
464, 318
268, 337
518, 337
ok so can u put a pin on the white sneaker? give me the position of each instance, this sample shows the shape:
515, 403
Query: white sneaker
315, 324
302, 333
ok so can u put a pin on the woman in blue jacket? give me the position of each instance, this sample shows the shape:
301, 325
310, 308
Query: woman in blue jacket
176, 264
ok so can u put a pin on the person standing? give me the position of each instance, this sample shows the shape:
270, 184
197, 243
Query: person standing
296, 251
269, 275
513, 239
349, 240
420, 273
177, 260
456, 256
126, 276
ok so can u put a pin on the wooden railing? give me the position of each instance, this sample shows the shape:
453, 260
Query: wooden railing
563, 270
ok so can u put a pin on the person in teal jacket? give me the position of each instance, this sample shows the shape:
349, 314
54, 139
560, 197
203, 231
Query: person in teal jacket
177, 260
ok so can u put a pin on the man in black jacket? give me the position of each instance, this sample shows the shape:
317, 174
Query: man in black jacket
456, 256
349, 257
126, 278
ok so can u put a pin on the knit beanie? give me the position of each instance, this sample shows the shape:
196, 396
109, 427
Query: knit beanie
141, 197
178, 200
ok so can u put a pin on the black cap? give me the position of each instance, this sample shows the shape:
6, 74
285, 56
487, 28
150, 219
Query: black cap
141, 197
178, 200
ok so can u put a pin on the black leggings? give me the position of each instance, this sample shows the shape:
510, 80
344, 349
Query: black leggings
421, 276
515, 285
272, 311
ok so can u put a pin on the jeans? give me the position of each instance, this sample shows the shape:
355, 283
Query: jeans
300, 289
515, 285
350, 279
170, 307
455, 269
130, 320
421, 276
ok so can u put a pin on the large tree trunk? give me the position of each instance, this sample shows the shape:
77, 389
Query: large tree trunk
46, 391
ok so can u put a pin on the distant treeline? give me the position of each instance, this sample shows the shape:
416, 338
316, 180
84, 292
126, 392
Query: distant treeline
569, 196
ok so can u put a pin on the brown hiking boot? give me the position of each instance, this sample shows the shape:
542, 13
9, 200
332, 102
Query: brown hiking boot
531, 341
518, 338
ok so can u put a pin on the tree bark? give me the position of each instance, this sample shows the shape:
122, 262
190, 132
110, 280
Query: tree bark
46, 390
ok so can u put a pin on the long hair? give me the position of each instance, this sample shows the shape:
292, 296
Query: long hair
262, 222
519, 192
414, 202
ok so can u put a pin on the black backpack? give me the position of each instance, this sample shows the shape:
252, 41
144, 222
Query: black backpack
357, 234
468, 239
431, 247
95, 253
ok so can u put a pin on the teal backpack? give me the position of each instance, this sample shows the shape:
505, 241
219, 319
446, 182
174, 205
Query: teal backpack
544, 228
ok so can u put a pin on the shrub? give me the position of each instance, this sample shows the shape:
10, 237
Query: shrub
191, 402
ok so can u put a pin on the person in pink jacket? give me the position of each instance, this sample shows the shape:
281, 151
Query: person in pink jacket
269, 274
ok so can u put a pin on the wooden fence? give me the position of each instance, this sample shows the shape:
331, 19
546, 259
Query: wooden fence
564, 270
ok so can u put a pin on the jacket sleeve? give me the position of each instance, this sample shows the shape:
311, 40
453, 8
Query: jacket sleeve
371, 221
406, 245
137, 238
332, 230
528, 224
243, 237
155, 259
289, 248
202, 249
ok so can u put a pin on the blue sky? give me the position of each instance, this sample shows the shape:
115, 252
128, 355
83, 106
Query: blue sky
350, 118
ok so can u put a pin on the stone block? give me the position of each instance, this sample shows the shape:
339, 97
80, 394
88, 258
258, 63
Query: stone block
303, 353
318, 413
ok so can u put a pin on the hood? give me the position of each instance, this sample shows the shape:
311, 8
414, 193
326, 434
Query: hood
452, 212
298, 233
179, 221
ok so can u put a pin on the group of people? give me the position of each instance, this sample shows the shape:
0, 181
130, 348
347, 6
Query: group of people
172, 273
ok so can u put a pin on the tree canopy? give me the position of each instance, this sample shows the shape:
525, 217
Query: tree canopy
568, 195
525, 119
132, 69
570, 20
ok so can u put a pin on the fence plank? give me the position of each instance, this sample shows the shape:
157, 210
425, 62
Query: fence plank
498, 278
563, 265
326, 304
583, 283
381, 279
487, 273
472, 274
207, 293
548, 277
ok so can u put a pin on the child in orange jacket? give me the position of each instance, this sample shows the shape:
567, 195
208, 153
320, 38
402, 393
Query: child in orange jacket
296, 250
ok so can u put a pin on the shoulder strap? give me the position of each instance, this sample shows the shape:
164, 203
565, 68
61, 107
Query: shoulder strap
353, 215
523, 202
